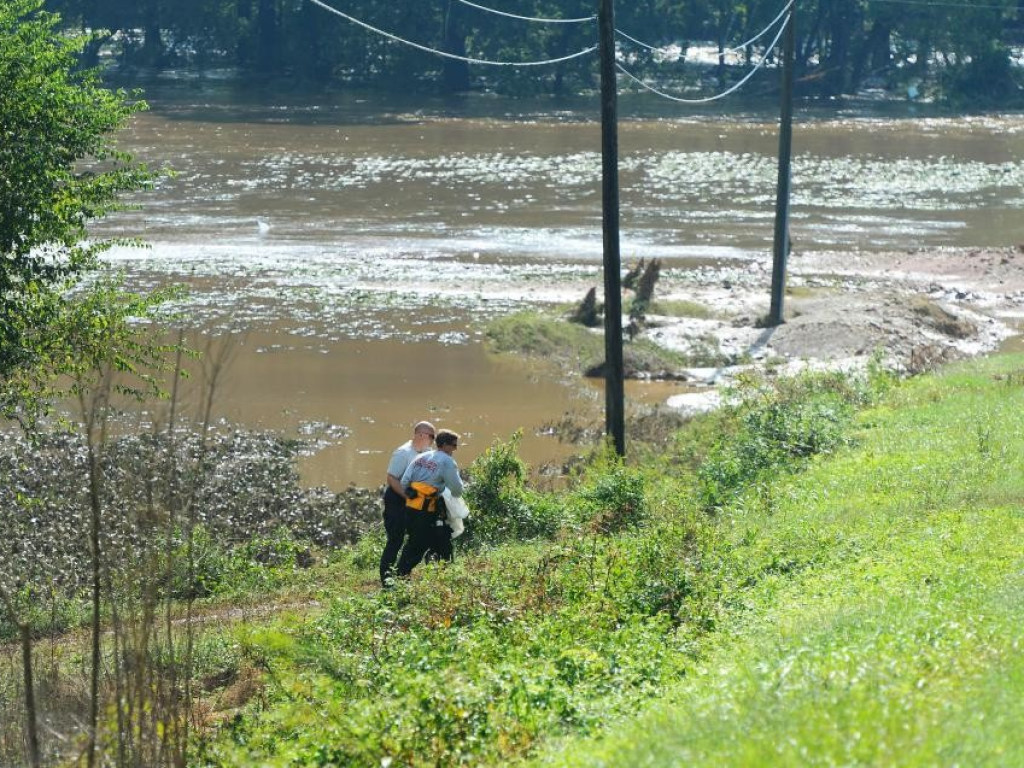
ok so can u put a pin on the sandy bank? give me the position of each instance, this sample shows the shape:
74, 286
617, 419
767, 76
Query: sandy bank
911, 308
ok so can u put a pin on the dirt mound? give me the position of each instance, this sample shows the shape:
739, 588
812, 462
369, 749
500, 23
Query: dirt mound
910, 309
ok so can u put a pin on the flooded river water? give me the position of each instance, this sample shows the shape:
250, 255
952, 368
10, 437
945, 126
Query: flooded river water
353, 247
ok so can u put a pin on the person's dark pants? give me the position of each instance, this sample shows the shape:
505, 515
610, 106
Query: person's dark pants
395, 528
440, 538
424, 535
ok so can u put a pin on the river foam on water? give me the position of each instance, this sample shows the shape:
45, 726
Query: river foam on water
399, 232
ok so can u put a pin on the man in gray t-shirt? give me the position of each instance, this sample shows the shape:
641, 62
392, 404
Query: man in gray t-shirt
394, 495
427, 527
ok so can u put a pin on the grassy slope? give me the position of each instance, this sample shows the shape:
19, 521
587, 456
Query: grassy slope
859, 612
885, 627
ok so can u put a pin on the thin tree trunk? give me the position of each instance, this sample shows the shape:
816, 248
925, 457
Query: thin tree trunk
153, 44
94, 667
454, 73
268, 28
25, 632
30, 696
214, 366
119, 684
178, 745
96, 409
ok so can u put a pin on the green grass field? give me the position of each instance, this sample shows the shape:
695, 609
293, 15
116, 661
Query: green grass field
892, 636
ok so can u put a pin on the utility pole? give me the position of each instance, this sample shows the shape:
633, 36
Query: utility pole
781, 244
614, 388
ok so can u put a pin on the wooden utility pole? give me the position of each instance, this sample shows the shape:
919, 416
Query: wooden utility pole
615, 420
781, 244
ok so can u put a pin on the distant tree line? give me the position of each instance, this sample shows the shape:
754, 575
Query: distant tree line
961, 49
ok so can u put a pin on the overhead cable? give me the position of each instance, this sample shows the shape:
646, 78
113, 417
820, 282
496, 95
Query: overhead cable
735, 49
717, 96
641, 43
763, 32
528, 18
447, 55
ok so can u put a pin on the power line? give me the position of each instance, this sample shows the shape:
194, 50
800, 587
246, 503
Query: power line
763, 32
736, 49
447, 55
707, 99
527, 18
641, 43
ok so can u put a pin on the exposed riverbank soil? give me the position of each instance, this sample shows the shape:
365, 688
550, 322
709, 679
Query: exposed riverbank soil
912, 309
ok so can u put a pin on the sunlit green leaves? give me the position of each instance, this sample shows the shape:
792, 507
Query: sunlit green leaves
59, 170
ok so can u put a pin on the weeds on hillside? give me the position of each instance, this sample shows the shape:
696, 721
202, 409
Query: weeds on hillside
779, 426
871, 614
563, 611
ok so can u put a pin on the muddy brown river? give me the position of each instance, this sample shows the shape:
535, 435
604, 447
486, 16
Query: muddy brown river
352, 247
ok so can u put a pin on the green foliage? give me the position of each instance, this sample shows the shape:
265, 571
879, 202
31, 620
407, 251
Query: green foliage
503, 507
872, 617
48, 613
841, 44
60, 171
877, 587
610, 498
198, 565
471, 664
476, 661
777, 428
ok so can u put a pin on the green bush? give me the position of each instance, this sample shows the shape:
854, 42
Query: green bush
210, 565
256, 565
778, 427
49, 614
611, 496
503, 507
458, 667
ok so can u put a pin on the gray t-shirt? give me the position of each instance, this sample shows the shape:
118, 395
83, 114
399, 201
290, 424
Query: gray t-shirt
435, 468
401, 459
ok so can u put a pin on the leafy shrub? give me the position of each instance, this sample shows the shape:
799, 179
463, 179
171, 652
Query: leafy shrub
451, 670
503, 507
210, 564
365, 553
778, 427
611, 497
660, 572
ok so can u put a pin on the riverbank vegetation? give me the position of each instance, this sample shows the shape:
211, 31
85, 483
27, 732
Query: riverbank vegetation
580, 350
962, 52
827, 566
66, 329
878, 622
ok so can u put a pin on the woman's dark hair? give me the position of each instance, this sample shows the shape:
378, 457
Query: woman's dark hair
446, 437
